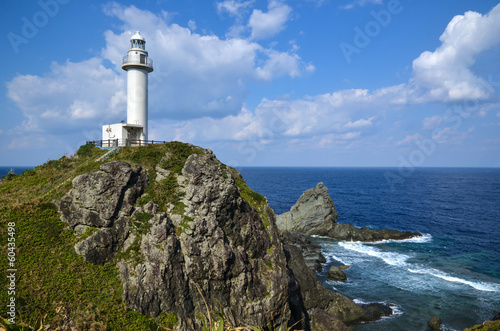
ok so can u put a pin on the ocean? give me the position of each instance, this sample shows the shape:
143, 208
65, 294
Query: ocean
17, 170
453, 271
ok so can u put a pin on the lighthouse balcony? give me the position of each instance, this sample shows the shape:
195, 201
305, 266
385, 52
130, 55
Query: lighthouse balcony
137, 61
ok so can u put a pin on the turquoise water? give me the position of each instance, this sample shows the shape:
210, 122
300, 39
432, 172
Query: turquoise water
452, 272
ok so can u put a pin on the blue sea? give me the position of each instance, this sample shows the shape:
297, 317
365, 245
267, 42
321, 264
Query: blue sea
452, 272
17, 170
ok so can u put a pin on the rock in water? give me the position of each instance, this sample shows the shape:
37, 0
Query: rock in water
314, 213
435, 323
336, 273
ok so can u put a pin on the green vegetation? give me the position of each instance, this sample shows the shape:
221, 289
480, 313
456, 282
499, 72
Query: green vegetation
170, 156
89, 231
140, 223
486, 326
51, 275
255, 199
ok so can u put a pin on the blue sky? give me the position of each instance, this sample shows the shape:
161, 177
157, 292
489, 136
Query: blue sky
262, 83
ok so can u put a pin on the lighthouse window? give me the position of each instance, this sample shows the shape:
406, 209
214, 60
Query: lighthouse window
143, 59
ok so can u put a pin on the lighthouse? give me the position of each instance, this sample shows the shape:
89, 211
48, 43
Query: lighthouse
138, 65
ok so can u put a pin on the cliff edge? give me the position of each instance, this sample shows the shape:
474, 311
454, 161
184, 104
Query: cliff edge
158, 237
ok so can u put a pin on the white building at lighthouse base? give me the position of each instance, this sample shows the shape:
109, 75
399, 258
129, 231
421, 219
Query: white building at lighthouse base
121, 134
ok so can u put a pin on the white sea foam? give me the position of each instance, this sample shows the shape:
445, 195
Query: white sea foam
425, 238
399, 260
390, 258
482, 286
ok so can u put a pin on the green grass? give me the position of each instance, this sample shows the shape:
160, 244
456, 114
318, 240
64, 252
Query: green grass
486, 326
256, 200
51, 275
171, 156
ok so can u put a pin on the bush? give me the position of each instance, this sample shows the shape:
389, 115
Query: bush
85, 150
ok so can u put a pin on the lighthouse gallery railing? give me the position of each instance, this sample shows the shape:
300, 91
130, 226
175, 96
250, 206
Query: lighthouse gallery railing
134, 60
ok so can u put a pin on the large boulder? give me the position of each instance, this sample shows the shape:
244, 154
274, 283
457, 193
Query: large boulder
98, 207
322, 321
435, 323
336, 273
313, 214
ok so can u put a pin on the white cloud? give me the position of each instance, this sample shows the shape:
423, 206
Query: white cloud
69, 96
360, 123
234, 7
266, 25
410, 139
446, 74
430, 123
452, 136
192, 25
341, 114
361, 3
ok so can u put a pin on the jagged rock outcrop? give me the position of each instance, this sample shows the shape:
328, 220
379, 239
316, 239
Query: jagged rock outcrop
307, 294
100, 204
352, 233
210, 244
311, 252
315, 214
322, 321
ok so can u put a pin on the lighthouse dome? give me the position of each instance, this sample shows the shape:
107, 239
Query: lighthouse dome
137, 36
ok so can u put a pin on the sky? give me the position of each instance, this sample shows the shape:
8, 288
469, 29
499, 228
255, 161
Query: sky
330, 83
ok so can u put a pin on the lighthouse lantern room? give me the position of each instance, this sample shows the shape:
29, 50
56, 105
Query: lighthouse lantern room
138, 65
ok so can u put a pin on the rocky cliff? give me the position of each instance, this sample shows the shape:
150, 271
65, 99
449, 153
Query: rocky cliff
204, 243
315, 214
190, 238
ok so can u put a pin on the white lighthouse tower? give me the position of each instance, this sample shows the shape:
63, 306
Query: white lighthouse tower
138, 65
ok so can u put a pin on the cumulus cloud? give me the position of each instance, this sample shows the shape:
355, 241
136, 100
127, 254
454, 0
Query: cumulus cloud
446, 75
332, 116
195, 75
266, 25
360, 123
69, 96
410, 139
